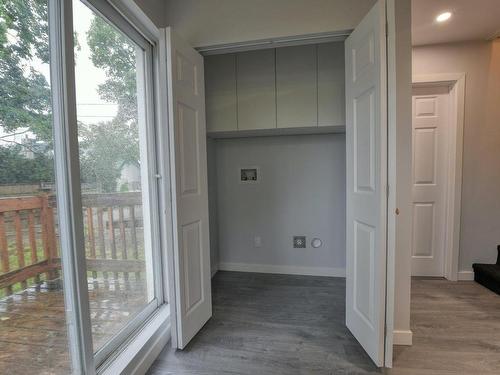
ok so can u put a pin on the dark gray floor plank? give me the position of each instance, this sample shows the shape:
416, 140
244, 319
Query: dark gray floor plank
284, 324
271, 324
456, 330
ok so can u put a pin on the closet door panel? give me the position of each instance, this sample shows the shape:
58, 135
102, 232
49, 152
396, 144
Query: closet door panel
256, 89
296, 86
331, 84
220, 88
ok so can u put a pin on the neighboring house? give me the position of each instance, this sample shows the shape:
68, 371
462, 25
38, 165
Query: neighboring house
130, 177
32, 146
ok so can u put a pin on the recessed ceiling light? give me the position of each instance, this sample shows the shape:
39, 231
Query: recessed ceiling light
445, 16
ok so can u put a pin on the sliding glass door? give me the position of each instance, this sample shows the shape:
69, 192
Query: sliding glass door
33, 329
118, 192
80, 262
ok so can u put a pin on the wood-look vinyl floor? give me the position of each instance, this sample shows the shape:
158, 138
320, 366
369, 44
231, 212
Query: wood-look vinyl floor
284, 324
456, 330
271, 324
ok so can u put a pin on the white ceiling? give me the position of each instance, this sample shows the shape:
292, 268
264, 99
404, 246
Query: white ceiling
471, 20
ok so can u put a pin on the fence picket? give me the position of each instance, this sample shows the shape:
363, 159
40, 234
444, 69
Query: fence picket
112, 242
133, 235
50, 251
19, 243
91, 237
102, 244
116, 256
123, 237
4, 250
32, 238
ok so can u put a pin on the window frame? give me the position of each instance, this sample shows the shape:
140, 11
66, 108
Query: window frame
67, 176
66, 147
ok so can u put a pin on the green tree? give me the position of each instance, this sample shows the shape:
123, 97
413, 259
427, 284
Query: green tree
105, 148
24, 92
108, 146
116, 55
15, 168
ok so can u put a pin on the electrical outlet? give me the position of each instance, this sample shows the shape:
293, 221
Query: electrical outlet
257, 241
299, 242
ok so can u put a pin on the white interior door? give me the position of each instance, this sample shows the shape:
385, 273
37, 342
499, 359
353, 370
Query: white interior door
191, 268
366, 156
429, 179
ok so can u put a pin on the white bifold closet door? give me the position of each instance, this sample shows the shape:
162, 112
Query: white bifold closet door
189, 278
366, 156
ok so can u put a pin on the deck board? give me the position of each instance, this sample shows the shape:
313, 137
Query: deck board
33, 333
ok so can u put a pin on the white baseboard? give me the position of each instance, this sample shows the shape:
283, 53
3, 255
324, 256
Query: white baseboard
403, 337
214, 269
465, 275
290, 270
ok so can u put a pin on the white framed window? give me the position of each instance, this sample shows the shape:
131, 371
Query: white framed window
85, 216
106, 156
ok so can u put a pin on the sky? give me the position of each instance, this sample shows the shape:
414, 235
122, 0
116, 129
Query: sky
90, 108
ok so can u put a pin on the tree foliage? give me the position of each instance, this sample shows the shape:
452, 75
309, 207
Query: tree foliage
116, 55
24, 92
16, 168
25, 95
106, 148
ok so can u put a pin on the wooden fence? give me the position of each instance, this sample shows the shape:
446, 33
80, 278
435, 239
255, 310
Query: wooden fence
29, 239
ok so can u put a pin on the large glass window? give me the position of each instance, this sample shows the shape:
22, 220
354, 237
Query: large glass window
95, 266
117, 196
33, 336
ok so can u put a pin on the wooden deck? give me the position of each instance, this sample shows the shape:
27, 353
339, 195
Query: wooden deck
33, 332
33, 337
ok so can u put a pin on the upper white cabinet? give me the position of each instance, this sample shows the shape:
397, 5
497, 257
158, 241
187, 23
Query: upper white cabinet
296, 86
256, 89
331, 84
280, 88
220, 93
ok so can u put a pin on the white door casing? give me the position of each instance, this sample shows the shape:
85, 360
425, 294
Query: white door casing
455, 134
187, 129
366, 173
430, 118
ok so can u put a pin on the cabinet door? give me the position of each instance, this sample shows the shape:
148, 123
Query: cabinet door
331, 84
256, 89
296, 86
220, 88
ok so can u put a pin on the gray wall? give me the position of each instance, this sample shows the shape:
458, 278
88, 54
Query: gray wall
212, 204
156, 10
207, 22
480, 61
302, 192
